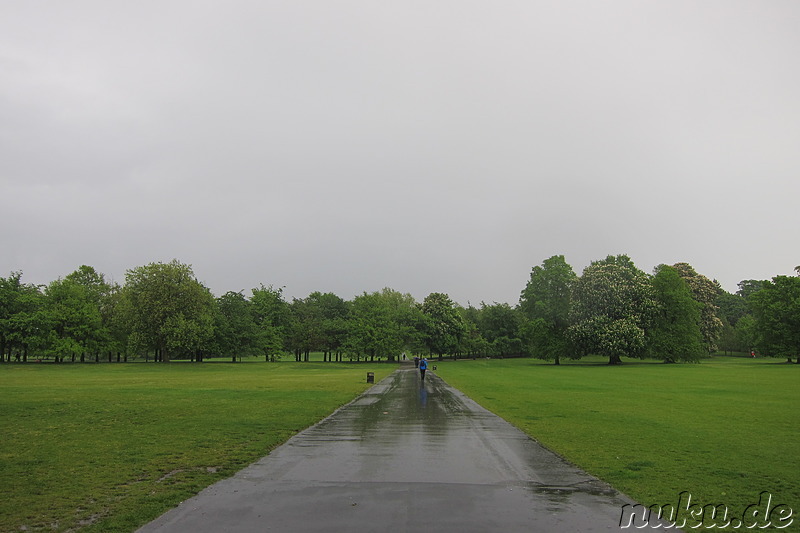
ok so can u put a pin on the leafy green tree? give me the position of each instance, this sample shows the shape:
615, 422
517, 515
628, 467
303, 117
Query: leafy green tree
731, 307
93, 281
675, 333
472, 343
382, 324
330, 314
235, 330
776, 308
10, 291
613, 304
273, 320
409, 322
499, 324
99, 293
305, 329
748, 287
539, 340
443, 325
546, 302
705, 292
115, 321
73, 317
727, 339
319, 323
168, 309
746, 333
21, 325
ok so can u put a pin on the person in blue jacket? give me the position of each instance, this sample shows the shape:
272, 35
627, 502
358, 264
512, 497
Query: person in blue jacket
423, 366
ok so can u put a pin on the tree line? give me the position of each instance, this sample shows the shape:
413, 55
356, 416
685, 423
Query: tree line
613, 309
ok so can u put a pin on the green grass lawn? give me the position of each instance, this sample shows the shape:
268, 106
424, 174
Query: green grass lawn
724, 430
108, 447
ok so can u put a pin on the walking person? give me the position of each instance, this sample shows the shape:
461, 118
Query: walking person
423, 366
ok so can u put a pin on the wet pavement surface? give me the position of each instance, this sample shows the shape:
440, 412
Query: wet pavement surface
405, 456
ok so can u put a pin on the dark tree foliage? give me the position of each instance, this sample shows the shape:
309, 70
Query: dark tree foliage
705, 292
674, 335
545, 303
442, 322
168, 309
235, 331
21, 321
776, 308
612, 309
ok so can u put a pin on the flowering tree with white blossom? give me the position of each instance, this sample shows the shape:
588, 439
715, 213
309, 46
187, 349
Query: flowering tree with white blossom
612, 305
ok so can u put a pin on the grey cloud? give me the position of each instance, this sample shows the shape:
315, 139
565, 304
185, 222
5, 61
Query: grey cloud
444, 146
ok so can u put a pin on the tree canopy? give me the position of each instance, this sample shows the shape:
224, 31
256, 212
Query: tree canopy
443, 324
614, 303
612, 309
776, 307
675, 333
546, 303
705, 292
168, 309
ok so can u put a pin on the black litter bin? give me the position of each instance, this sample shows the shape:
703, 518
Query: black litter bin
370, 377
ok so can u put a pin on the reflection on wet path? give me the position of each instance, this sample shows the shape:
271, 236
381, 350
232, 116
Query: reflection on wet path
403, 456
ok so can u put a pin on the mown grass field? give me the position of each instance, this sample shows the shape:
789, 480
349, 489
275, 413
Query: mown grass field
724, 430
108, 447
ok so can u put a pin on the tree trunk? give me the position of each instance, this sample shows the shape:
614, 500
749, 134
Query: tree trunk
614, 360
558, 360
164, 354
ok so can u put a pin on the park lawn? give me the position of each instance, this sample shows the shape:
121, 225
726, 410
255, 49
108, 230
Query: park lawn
108, 447
724, 430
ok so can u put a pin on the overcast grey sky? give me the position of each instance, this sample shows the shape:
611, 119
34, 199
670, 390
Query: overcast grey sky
427, 146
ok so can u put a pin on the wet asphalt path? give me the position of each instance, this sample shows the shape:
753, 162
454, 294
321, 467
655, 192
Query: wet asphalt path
404, 457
